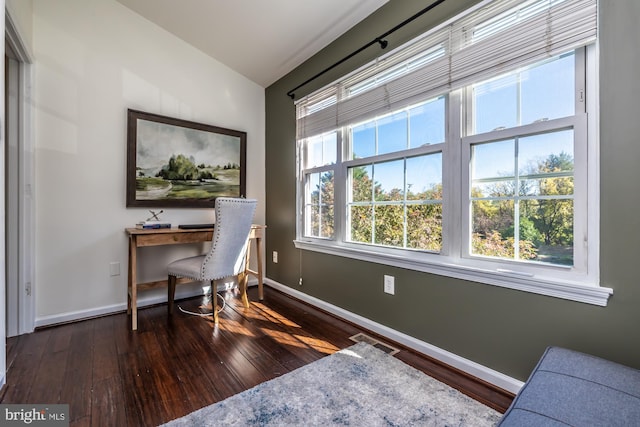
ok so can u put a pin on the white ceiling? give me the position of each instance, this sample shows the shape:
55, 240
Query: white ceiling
260, 39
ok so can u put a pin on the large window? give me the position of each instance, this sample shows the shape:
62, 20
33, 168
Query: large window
439, 160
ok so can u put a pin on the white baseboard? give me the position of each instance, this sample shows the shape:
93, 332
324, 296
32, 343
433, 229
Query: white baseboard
479, 371
110, 309
184, 291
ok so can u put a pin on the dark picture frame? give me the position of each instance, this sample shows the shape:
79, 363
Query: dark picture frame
174, 163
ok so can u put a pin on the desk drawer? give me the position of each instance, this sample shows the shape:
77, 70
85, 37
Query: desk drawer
173, 238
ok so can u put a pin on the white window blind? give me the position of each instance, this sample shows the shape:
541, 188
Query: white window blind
498, 36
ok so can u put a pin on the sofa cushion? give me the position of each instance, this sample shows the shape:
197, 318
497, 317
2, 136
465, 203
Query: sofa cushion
572, 388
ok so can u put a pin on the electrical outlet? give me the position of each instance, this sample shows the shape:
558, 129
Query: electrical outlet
300, 282
274, 257
389, 284
114, 268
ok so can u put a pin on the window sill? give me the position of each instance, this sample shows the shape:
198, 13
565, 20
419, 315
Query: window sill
590, 294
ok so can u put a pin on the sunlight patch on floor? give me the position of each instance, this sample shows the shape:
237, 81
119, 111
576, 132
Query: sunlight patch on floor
274, 316
234, 327
284, 338
318, 345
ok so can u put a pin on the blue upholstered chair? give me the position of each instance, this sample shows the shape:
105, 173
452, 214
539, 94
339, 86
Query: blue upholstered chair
227, 256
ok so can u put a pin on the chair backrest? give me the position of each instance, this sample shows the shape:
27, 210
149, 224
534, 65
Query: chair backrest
230, 238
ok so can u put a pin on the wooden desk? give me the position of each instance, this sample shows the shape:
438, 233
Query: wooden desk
139, 238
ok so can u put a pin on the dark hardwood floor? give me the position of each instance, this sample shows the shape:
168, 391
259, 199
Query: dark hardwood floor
112, 376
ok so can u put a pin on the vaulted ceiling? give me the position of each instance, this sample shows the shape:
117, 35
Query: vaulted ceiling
260, 39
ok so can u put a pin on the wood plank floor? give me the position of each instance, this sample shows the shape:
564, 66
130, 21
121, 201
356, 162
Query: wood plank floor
112, 376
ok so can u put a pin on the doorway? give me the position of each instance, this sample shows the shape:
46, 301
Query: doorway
19, 301
11, 192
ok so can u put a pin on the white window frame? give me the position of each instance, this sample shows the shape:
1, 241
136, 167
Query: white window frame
580, 283
578, 124
381, 158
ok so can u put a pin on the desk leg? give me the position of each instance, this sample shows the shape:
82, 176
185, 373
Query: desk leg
243, 278
132, 291
259, 254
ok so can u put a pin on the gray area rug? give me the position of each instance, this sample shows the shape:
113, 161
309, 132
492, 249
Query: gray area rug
357, 386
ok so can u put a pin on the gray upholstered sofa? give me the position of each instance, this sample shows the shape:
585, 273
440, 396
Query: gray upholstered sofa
568, 388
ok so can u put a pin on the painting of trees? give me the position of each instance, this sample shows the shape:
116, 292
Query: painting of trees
182, 168
179, 163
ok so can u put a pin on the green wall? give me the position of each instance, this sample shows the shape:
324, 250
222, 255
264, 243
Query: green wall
503, 329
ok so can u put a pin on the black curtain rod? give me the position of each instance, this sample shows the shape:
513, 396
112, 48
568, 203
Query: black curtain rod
380, 40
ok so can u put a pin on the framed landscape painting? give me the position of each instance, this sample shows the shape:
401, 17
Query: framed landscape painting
178, 163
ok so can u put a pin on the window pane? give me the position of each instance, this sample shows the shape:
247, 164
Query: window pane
361, 223
326, 221
319, 208
313, 186
314, 220
321, 221
423, 124
493, 160
363, 140
548, 152
329, 148
545, 163
426, 123
492, 224
361, 183
424, 227
496, 104
542, 92
548, 90
392, 133
424, 177
389, 223
389, 180
547, 225
321, 150
492, 169
314, 151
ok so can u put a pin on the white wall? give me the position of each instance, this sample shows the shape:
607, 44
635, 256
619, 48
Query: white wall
93, 60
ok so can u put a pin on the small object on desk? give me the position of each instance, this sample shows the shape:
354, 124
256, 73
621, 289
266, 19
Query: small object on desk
154, 216
153, 224
195, 226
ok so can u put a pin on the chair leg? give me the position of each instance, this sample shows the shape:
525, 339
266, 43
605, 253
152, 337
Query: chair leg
214, 305
243, 280
171, 293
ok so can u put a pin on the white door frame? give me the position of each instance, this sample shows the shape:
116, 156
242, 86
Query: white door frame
24, 223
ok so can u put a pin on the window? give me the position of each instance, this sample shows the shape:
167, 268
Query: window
395, 199
436, 159
319, 158
522, 204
